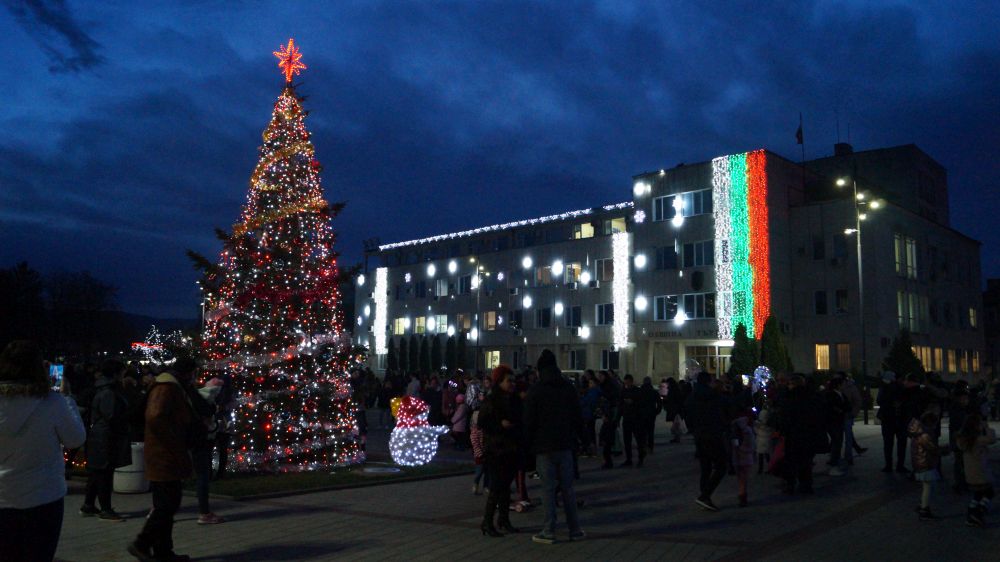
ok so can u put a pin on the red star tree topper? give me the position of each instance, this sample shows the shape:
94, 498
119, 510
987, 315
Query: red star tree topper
272, 320
289, 60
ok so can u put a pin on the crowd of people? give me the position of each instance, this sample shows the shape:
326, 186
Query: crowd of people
785, 427
100, 415
537, 423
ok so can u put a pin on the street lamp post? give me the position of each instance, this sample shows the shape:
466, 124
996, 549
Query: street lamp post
861, 205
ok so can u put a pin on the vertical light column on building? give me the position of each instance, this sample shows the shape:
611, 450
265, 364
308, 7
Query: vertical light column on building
760, 242
620, 288
723, 259
742, 243
381, 310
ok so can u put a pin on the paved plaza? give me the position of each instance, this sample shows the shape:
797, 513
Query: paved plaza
630, 514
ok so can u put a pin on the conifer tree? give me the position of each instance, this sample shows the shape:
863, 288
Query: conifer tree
901, 359
272, 317
773, 353
744, 358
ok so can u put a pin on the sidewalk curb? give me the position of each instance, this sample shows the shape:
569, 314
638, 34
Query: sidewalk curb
335, 487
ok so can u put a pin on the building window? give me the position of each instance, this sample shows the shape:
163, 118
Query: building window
819, 247
490, 320
463, 322
441, 323
938, 359
905, 253
583, 230
605, 314
605, 269
952, 362
515, 318
420, 289
419, 325
697, 254
577, 359
543, 276
840, 246
572, 273
844, 356
574, 316
663, 208
664, 308
822, 357
399, 326
609, 359
819, 302
492, 359
441, 288
963, 364
666, 258
975, 361
543, 318
613, 226
465, 284
840, 301
699, 305
973, 321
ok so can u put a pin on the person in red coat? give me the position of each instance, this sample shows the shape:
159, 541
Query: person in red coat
169, 418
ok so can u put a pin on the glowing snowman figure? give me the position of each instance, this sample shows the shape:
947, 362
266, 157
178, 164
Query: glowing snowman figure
413, 442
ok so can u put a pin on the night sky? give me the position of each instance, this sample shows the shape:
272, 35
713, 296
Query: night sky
130, 131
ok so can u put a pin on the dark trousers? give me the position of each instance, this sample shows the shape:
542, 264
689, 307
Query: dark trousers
31, 534
158, 531
649, 428
202, 460
99, 484
630, 428
798, 468
590, 435
222, 445
836, 434
711, 452
500, 471
889, 433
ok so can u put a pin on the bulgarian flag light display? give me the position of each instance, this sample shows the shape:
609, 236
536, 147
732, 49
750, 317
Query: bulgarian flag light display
742, 268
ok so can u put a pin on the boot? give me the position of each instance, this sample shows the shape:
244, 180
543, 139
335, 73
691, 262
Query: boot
487, 526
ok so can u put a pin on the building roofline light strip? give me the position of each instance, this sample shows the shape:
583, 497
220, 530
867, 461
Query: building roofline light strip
505, 226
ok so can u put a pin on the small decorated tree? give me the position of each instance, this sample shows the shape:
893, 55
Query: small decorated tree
901, 359
744, 358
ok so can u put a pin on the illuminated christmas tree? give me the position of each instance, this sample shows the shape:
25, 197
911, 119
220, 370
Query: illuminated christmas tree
271, 308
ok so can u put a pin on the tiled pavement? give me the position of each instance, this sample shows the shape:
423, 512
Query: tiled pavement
630, 514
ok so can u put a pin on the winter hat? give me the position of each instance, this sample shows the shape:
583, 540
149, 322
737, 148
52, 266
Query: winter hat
547, 360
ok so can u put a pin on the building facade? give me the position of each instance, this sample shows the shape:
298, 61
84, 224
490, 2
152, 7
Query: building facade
657, 285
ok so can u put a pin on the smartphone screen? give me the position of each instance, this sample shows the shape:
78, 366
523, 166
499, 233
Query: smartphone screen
56, 376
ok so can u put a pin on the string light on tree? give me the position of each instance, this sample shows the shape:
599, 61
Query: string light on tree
274, 323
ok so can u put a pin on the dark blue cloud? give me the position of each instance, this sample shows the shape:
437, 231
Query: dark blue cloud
68, 46
431, 118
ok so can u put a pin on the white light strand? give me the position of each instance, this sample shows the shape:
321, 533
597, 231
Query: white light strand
505, 226
619, 288
723, 261
381, 309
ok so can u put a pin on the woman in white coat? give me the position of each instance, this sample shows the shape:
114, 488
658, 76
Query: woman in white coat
35, 424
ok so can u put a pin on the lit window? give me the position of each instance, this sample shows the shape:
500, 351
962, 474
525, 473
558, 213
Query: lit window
420, 325
492, 359
822, 357
572, 273
543, 276
441, 323
972, 318
952, 362
584, 230
938, 359
399, 326
491, 320
844, 356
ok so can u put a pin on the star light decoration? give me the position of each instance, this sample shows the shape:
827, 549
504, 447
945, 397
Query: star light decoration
289, 60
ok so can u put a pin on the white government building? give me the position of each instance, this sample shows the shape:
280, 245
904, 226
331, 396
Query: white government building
647, 285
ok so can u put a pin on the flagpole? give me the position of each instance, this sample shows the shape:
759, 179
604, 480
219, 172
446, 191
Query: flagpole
800, 137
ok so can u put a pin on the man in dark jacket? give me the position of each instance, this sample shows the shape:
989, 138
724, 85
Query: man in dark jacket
551, 424
169, 419
890, 412
801, 424
650, 405
704, 416
108, 445
628, 406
